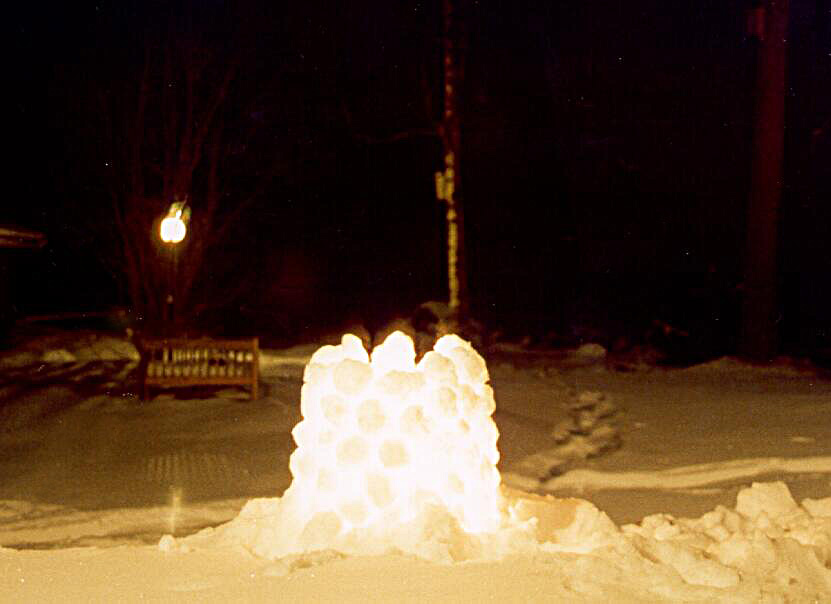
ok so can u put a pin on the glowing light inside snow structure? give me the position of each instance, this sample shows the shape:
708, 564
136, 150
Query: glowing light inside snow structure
383, 440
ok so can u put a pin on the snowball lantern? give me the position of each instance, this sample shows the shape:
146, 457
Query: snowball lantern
385, 439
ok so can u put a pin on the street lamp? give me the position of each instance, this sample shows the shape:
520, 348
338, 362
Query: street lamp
174, 226
172, 231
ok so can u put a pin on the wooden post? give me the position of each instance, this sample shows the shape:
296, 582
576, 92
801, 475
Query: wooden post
759, 330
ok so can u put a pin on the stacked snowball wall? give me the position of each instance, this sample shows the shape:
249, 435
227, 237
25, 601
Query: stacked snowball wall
383, 441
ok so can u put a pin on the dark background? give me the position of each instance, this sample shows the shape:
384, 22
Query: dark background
605, 164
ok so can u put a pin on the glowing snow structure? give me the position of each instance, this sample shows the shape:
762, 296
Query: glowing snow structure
384, 440
392, 455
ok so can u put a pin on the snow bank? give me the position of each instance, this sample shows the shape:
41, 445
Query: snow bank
73, 348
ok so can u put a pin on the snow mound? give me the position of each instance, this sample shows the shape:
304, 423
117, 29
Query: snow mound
106, 348
71, 347
768, 541
532, 524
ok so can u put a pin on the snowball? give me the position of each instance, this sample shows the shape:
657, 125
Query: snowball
352, 347
469, 401
415, 423
469, 364
314, 373
334, 409
401, 384
438, 368
327, 355
396, 352
352, 451
350, 377
393, 454
371, 417
443, 401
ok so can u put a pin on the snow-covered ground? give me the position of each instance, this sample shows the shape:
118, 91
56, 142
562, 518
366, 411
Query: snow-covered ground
706, 484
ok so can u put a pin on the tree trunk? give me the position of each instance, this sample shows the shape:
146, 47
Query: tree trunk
449, 183
759, 335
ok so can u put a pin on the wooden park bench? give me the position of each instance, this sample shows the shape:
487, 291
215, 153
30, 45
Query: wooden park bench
179, 362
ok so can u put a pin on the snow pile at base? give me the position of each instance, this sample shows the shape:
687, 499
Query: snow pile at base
390, 455
530, 524
767, 549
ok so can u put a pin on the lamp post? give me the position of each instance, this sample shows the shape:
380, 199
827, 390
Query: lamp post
172, 231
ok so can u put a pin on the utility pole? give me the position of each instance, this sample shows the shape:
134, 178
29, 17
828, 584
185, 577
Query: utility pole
760, 314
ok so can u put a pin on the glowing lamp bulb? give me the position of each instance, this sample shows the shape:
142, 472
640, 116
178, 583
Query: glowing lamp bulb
173, 229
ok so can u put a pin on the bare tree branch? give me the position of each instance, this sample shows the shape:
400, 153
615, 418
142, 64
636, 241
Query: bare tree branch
390, 138
206, 123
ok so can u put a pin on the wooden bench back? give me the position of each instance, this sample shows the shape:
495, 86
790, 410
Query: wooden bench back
174, 362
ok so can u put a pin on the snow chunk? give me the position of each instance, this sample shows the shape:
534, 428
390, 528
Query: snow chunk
770, 498
818, 508
572, 525
693, 566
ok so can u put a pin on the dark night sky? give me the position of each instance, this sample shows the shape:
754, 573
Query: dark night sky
605, 157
